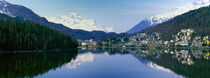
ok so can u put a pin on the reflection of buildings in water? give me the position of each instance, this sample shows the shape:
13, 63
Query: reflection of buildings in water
144, 53
81, 58
194, 60
166, 51
156, 66
206, 55
184, 57
197, 54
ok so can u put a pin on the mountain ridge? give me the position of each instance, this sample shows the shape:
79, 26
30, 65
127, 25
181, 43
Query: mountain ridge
75, 21
155, 20
16, 34
27, 14
198, 20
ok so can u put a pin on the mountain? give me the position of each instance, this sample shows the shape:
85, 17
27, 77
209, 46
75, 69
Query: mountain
75, 21
198, 20
31, 36
27, 14
153, 21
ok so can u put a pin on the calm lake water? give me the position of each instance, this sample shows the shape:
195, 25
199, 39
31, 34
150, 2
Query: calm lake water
112, 63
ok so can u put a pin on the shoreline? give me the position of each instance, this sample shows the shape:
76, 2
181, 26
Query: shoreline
39, 51
184, 48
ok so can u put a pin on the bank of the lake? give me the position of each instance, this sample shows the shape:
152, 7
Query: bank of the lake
149, 47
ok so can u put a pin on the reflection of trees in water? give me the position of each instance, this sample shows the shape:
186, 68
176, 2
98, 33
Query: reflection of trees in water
32, 64
189, 63
200, 68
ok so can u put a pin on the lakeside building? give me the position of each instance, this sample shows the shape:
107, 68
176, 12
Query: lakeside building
197, 42
87, 42
183, 38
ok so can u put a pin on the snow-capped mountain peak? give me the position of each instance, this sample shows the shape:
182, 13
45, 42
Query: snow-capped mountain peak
75, 21
153, 21
4, 8
201, 2
178, 11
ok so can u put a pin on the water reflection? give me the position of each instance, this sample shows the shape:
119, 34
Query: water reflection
84, 56
81, 58
184, 57
154, 65
21, 65
189, 63
133, 63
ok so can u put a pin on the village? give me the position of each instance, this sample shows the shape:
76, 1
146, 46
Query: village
183, 38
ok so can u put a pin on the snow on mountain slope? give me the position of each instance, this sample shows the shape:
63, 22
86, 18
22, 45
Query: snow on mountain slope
178, 11
153, 21
75, 21
3, 8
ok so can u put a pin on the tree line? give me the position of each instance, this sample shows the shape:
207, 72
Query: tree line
31, 36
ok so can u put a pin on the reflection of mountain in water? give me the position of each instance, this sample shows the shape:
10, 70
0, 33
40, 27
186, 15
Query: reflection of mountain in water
189, 64
84, 56
155, 66
20, 65
192, 64
81, 58
141, 60
137, 54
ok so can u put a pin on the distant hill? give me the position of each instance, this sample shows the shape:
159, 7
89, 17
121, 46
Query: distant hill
198, 20
27, 14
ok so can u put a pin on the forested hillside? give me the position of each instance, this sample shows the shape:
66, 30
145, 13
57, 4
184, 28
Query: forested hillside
198, 20
31, 36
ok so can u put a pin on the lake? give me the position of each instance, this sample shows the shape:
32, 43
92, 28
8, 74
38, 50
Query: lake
107, 63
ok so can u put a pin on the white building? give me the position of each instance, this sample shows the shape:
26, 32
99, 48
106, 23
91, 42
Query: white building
183, 37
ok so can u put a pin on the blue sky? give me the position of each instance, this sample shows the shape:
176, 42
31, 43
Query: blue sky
122, 14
